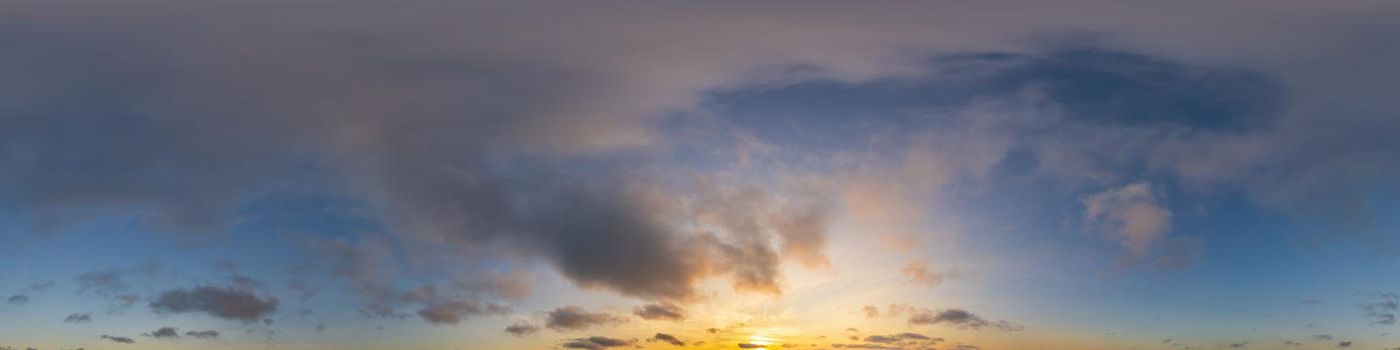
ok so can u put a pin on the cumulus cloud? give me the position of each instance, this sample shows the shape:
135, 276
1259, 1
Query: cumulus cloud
660, 311
221, 302
1131, 215
123, 340
78, 318
17, 299
522, 329
164, 332
667, 338
574, 318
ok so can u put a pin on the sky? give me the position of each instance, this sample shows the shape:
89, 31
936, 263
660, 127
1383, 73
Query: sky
950, 175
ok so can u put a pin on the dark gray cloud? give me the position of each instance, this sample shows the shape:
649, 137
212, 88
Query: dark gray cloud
17, 299
208, 334
522, 329
574, 318
667, 338
660, 311
1344, 344
222, 302
164, 332
959, 318
900, 338
595, 343
452, 312
123, 340
78, 318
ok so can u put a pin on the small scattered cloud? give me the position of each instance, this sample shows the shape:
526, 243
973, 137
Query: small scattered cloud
960, 318
919, 273
522, 329
1382, 308
17, 300
901, 338
78, 318
164, 332
452, 312
660, 311
574, 318
123, 340
209, 334
667, 338
40, 286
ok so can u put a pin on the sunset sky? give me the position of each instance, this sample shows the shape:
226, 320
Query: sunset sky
950, 175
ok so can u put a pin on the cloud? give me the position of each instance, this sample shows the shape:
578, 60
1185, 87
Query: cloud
78, 318
900, 338
667, 338
209, 334
870, 311
1345, 344
919, 272
221, 302
595, 343
17, 299
123, 340
164, 332
660, 311
1130, 215
112, 281
472, 141
750, 346
522, 329
959, 318
40, 286
452, 312
1382, 309
574, 318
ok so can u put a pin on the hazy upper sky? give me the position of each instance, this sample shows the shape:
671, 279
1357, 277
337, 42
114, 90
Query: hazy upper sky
951, 175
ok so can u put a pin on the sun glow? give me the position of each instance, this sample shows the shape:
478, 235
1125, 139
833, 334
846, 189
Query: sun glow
763, 340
